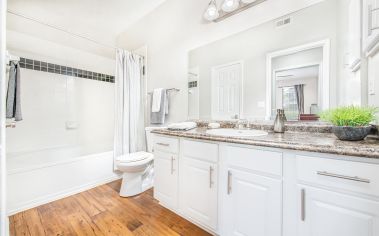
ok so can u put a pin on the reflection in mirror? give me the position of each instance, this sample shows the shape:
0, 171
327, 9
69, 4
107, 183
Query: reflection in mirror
296, 80
294, 62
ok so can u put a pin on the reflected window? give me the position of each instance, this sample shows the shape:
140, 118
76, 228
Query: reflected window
290, 103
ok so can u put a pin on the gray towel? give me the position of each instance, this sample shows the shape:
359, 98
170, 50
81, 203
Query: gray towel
14, 93
159, 117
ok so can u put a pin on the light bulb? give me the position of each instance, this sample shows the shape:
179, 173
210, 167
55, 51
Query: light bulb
248, 1
230, 5
211, 13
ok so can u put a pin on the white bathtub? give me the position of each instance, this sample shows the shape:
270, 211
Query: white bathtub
36, 178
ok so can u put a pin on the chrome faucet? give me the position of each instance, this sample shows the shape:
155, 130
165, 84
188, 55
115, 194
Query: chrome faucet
242, 124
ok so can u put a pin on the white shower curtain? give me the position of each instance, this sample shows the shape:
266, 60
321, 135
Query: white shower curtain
129, 111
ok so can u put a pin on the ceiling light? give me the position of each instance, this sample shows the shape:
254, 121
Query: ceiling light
230, 5
212, 12
248, 1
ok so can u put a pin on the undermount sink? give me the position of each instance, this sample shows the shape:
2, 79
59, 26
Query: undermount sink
237, 132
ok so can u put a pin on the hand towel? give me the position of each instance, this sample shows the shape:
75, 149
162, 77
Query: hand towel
13, 103
156, 102
159, 117
182, 126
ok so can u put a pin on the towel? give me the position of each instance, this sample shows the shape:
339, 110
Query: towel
182, 126
159, 117
13, 106
156, 102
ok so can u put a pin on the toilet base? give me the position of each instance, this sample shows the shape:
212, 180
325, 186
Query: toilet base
136, 183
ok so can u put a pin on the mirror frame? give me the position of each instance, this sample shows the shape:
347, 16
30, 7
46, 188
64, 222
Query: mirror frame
325, 79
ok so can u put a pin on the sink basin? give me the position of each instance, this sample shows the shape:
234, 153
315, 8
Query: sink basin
237, 132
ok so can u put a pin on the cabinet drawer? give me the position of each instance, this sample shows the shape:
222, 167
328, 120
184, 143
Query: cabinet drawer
346, 175
199, 150
166, 144
252, 159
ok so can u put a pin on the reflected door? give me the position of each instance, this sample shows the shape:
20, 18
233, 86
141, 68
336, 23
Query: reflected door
226, 91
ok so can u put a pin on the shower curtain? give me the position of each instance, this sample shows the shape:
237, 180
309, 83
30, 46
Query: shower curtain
129, 110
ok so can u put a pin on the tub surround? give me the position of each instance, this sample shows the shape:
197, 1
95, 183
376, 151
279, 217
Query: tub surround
321, 142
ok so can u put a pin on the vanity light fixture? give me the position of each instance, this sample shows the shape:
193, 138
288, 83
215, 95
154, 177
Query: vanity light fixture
230, 5
228, 8
212, 12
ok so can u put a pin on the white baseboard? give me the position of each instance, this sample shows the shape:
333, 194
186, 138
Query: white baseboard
63, 194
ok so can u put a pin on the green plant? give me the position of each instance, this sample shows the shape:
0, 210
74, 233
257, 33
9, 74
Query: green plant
350, 116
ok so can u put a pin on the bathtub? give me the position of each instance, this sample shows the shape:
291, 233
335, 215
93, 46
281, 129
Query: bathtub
39, 177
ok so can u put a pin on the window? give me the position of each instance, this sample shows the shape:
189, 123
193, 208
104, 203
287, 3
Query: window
290, 103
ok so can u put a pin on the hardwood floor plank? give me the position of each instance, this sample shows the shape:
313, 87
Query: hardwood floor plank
52, 221
102, 212
89, 204
33, 222
20, 225
111, 226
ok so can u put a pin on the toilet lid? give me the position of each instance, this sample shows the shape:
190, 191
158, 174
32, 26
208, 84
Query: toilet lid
133, 157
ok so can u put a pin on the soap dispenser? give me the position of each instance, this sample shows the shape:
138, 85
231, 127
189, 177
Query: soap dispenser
279, 121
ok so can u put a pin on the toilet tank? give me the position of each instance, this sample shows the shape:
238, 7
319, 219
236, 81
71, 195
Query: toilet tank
150, 136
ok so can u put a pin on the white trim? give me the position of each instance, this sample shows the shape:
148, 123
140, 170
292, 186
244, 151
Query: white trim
241, 62
4, 225
63, 194
325, 76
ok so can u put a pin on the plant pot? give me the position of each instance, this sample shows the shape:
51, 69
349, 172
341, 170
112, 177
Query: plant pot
348, 133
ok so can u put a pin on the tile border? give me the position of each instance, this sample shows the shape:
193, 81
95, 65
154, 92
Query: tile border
64, 70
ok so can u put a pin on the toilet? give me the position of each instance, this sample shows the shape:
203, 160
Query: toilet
137, 168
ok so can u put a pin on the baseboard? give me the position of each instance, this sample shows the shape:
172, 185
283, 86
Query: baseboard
62, 194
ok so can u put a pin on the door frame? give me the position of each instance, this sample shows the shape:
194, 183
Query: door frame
213, 78
3, 171
325, 75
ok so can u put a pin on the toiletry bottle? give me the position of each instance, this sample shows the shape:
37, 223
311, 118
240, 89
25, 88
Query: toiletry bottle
279, 121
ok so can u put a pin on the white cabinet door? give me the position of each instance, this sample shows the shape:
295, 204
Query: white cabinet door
251, 204
326, 213
198, 191
166, 178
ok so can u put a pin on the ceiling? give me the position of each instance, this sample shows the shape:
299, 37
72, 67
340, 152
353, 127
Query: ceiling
101, 20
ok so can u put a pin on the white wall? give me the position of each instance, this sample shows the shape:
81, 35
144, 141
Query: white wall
176, 27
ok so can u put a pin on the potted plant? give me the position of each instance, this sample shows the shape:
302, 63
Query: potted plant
351, 123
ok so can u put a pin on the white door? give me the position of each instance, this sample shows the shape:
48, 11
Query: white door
251, 205
226, 91
326, 213
198, 191
166, 178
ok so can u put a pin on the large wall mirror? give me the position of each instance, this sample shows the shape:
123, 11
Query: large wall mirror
295, 63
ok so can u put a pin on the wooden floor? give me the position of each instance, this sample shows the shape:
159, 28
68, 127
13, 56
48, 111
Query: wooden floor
101, 211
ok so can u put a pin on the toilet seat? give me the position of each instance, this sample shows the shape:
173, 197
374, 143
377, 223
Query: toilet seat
135, 158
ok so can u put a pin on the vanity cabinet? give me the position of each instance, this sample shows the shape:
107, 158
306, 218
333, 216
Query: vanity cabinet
242, 190
329, 213
337, 197
250, 192
166, 171
199, 182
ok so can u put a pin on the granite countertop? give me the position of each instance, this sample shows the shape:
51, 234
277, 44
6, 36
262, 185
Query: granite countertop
302, 141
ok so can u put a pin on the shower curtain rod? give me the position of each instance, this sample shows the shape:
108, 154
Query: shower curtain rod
61, 29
